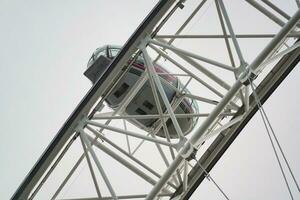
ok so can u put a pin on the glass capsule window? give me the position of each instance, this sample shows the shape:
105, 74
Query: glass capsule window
96, 54
99, 52
113, 52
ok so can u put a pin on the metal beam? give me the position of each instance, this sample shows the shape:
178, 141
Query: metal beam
124, 162
226, 138
136, 196
253, 67
90, 99
212, 36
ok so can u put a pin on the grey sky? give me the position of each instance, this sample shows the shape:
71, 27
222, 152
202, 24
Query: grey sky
44, 51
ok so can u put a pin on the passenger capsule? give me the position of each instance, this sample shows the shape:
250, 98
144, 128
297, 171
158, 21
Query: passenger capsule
143, 102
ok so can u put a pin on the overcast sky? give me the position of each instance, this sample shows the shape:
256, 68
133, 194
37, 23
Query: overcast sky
44, 51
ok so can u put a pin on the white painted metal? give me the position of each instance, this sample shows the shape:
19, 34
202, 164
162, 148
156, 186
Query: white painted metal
130, 133
158, 84
215, 132
176, 164
190, 54
127, 154
254, 66
185, 176
232, 34
91, 168
124, 162
163, 115
186, 70
101, 170
280, 54
246, 36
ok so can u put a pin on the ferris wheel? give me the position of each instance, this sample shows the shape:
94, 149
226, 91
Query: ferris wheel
164, 107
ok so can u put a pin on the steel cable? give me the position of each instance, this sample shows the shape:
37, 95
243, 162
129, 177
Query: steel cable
266, 124
208, 176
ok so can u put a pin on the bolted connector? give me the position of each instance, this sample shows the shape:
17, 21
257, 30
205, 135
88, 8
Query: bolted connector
247, 76
81, 124
189, 153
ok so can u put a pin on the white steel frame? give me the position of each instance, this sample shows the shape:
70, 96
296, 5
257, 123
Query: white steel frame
177, 165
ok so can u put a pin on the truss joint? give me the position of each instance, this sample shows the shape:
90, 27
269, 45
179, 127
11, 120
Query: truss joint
187, 153
247, 76
81, 124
